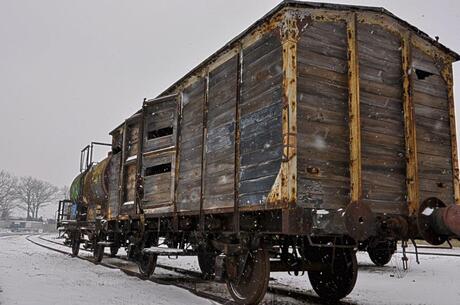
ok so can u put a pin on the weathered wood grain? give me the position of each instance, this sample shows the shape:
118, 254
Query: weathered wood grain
260, 113
383, 138
190, 155
433, 130
322, 137
220, 138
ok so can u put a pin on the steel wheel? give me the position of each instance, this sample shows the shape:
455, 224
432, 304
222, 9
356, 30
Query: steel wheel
250, 286
380, 256
98, 250
147, 263
207, 263
114, 251
75, 243
337, 281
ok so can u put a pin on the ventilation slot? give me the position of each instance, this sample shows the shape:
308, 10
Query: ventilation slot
158, 169
158, 133
421, 74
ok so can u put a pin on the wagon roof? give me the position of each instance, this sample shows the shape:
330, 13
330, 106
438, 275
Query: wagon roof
312, 5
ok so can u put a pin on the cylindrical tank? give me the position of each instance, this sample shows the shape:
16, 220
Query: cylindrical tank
91, 186
76, 188
95, 186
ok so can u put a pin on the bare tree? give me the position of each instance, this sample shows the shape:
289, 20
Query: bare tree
33, 194
65, 192
8, 185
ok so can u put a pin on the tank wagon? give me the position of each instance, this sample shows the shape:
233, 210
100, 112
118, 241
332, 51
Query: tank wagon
319, 130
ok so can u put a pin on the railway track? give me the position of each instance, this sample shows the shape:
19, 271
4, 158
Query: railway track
188, 279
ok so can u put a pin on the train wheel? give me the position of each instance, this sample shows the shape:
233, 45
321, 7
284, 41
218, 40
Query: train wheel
338, 281
75, 244
147, 263
114, 251
207, 263
98, 250
380, 256
250, 286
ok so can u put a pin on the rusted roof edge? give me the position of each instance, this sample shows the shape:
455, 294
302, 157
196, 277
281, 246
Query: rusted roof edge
304, 4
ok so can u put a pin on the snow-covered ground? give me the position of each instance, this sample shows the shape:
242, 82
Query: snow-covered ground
435, 281
32, 275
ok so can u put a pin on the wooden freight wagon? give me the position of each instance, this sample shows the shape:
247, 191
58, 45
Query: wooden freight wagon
319, 127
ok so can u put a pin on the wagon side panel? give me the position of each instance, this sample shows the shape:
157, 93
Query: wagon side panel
434, 150
382, 120
114, 186
191, 144
260, 120
219, 182
322, 90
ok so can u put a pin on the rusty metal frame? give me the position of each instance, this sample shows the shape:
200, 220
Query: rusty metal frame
204, 135
447, 75
121, 190
354, 110
284, 191
140, 157
413, 200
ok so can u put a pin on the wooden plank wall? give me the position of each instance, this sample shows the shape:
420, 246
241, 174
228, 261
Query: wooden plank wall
433, 131
323, 164
157, 187
191, 143
160, 115
129, 167
382, 120
220, 140
260, 120
114, 183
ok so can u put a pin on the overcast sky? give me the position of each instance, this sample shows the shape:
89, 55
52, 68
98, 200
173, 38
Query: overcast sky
70, 71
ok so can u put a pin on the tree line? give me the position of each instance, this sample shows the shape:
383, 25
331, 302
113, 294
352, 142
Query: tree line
26, 193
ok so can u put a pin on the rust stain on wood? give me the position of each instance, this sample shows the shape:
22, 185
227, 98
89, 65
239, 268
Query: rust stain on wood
412, 184
354, 110
284, 190
448, 78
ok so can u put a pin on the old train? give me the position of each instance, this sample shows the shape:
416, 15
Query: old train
319, 130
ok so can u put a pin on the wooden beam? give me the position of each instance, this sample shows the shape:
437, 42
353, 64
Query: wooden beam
448, 78
354, 110
413, 197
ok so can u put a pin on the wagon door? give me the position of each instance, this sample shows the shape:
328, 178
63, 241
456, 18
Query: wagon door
130, 165
159, 154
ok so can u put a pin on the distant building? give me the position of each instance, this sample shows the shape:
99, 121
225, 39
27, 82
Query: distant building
22, 225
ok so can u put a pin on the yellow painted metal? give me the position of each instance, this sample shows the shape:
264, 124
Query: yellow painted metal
448, 78
354, 110
413, 199
284, 190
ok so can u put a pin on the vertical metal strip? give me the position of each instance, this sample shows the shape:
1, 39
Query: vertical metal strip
284, 190
203, 150
239, 86
122, 171
409, 128
177, 160
448, 78
354, 110
140, 159
290, 113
